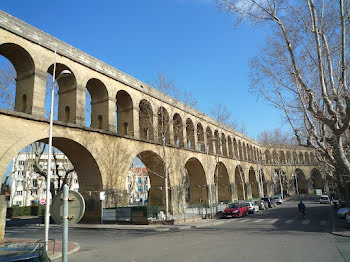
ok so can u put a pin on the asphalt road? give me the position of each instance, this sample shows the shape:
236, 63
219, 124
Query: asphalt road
278, 234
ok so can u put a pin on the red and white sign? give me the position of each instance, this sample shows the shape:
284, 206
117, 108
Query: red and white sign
43, 201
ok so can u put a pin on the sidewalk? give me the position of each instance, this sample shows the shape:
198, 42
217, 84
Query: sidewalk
339, 226
155, 227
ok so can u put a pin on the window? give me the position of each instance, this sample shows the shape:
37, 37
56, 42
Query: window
139, 180
18, 203
35, 183
34, 192
139, 188
19, 193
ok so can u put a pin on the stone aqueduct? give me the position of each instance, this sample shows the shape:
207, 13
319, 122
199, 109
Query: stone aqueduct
127, 117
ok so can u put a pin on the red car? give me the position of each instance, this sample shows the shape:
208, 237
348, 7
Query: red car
236, 210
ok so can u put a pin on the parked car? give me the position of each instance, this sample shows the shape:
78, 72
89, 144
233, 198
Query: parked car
347, 217
325, 199
343, 211
236, 210
270, 202
278, 200
252, 207
261, 204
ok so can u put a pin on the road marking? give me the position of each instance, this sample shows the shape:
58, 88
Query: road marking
258, 220
306, 221
273, 221
244, 220
289, 221
323, 223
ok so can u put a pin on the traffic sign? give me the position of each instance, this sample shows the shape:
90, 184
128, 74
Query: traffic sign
76, 207
43, 201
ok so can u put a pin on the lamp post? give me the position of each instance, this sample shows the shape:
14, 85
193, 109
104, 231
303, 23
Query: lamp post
210, 196
48, 175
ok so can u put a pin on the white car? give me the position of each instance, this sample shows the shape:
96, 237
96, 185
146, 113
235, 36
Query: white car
343, 211
252, 207
278, 200
325, 199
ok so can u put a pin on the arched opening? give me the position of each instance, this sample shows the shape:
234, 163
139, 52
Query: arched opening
18, 80
254, 154
224, 147
67, 95
190, 134
138, 183
217, 143
267, 157
72, 164
316, 179
295, 158
100, 122
282, 157
300, 181
312, 158
210, 140
230, 152
125, 114
99, 103
163, 126
200, 138
254, 183
289, 157
235, 148
196, 189
222, 183
24, 103
301, 158
263, 182
178, 130
240, 157
146, 120
240, 183
249, 153
244, 152
275, 157
67, 114
280, 182
307, 159
156, 172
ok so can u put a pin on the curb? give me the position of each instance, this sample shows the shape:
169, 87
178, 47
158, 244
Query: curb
340, 234
59, 255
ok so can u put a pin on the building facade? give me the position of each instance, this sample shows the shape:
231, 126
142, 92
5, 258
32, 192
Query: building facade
27, 187
138, 185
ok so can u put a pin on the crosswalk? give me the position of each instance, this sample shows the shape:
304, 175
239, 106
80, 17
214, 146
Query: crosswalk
289, 221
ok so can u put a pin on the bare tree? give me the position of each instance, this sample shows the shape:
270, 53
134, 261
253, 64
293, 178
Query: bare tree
7, 85
303, 69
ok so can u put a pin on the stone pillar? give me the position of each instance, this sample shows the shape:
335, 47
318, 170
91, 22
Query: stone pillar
309, 187
233, 192
80, 106
205, 140
248, 191
155, 128
136, 122
38, 105
195, 138
111, 126
3, 207
171, 132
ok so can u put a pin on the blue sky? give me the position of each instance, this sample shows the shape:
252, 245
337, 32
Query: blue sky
190, 41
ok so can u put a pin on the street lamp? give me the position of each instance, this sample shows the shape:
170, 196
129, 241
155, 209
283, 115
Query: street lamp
64, 73
210, 194
217, 148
